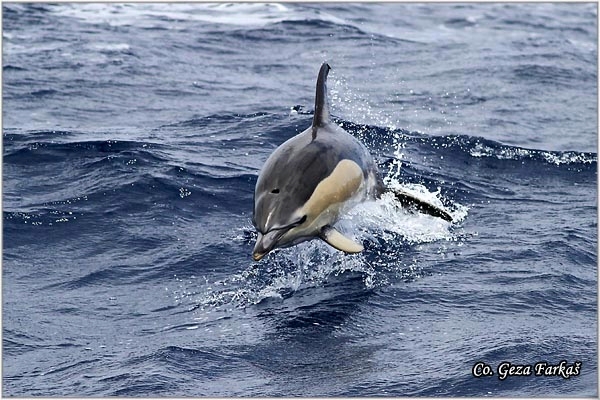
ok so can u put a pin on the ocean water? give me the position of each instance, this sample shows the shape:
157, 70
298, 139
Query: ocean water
133, 135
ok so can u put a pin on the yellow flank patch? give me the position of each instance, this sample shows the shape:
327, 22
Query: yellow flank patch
339, 186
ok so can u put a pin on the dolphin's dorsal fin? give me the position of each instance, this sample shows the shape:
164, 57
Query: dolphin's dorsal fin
336, 240
321, 107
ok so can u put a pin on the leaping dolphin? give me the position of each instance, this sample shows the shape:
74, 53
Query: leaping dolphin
311, 179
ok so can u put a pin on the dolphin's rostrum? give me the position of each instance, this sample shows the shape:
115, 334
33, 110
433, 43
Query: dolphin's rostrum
311, 179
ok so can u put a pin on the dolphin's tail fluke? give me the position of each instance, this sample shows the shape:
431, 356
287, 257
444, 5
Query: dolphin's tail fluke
321, 106
411, 202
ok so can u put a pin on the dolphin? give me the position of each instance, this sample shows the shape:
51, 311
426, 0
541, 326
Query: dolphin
309, 181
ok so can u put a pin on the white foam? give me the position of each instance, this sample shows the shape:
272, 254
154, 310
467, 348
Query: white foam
515, 153
111, 46
163, 14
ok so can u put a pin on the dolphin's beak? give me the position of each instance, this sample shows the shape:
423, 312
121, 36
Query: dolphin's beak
265, 243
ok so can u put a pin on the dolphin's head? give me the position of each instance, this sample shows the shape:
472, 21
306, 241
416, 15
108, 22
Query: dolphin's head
285, 184
279, 221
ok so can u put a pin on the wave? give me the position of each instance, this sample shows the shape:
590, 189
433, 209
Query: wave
110, 184
240, 21
480, 147
382, 140
553, 75
218, 119
32, 150
155, 170
9, 67
159, 15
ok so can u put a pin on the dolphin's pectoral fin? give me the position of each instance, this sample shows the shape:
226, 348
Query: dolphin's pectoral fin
410, 201
336, 240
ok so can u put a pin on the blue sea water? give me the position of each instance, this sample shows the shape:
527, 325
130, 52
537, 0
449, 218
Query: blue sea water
133, 135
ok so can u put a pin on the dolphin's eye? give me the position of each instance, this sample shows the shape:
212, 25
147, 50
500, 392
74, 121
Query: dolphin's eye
275, 191
297, 223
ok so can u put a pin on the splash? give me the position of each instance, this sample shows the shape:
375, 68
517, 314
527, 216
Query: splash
354, 107
392, 235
